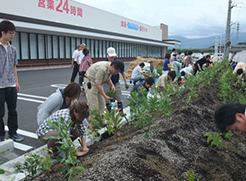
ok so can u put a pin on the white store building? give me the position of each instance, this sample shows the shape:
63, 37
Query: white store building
48, 31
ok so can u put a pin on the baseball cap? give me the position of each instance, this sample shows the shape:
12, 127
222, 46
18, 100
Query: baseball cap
111, 52
83, 44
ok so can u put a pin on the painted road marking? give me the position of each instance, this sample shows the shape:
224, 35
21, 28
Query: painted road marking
30, 100
21, 146
126, 93
24, 97
61, 86
25, 133
32, 96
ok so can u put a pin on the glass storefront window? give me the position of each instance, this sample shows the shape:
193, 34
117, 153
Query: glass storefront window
41, 47
61, 47
16, 43
33, 46
49, 47
92, 49
100, 49
24, 46
104, 49
55, 47
73, 46
68, 48
88, 44
96, 49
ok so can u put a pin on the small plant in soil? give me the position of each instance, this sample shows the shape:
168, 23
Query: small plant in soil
228, 135
34, 163
190, 176
144, 110
1, 170
66, 148
113, 119
110, 92
214, 137
96, 120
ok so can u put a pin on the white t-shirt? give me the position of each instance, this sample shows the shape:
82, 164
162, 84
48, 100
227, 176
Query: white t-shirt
235, 58
187, 70
201, 56
81, 56
136, 71
78, 54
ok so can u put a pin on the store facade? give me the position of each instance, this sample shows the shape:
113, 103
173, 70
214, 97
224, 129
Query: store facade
48, 31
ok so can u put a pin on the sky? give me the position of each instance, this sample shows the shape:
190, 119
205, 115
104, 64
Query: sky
188, 18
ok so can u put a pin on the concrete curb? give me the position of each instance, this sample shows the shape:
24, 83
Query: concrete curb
10, 166
7, 145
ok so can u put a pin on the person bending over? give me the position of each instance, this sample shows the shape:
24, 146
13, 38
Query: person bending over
231, 116
77, 113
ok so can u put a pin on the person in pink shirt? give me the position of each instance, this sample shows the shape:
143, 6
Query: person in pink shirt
86, 62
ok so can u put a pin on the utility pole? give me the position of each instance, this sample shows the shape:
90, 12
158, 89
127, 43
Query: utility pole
228, 31
237, 33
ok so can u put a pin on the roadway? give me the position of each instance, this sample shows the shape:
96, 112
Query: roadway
35, 87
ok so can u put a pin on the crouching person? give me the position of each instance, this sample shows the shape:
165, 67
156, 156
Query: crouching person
143, 86
231, 116
78, 113
164, 79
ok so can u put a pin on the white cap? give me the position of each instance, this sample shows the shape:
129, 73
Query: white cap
111, 52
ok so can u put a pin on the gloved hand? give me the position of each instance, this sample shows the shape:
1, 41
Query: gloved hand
126, 86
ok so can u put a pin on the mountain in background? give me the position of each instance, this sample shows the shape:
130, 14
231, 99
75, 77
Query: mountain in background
203, 43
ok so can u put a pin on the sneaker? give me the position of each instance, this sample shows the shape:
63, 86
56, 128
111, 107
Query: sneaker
16, 137
2, 138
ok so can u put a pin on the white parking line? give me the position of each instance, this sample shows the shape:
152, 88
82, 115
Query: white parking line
32, 96
126, 92
21, 146
31, 100
61, 86
25, 133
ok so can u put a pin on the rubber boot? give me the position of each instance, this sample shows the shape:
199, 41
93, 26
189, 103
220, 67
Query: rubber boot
108, 106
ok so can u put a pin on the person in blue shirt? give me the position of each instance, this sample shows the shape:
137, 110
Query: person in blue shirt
167, 64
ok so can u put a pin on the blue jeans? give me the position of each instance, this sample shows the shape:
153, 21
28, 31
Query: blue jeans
8, 95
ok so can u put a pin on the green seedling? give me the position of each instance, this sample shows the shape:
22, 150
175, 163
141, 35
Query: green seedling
110, 92
34, 163
228, 135
114, 124
214, 137
96, 120
68, 158
190, 176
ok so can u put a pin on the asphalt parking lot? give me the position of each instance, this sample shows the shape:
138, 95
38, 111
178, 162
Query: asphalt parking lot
36, 86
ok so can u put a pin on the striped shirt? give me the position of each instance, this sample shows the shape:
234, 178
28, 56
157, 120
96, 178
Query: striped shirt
44, 128
8, 59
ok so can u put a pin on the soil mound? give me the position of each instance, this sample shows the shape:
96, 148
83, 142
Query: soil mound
179, 146
153, 61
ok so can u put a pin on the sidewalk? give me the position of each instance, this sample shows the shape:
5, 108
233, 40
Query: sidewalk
56, 67
42, 67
